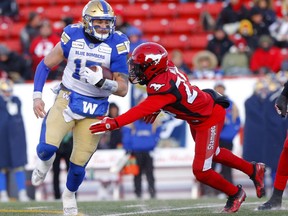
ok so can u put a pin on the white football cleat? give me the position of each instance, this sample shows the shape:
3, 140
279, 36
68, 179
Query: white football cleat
38, 177
69, 203
41, 170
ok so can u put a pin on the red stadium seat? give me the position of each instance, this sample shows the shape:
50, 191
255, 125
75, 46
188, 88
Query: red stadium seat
190, 9
152, 37
24, 12
183, 25
16, 29
188, 56
213, 8
163, 10
137, 11
198, 41
13, 45
153, 26
174, 42
55, 13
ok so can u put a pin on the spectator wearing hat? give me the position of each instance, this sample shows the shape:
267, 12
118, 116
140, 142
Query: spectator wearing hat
135, 36
14, 64
236, 61
205, 65
267, 58
219, 44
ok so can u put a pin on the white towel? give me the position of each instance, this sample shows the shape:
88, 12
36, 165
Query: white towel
69, 115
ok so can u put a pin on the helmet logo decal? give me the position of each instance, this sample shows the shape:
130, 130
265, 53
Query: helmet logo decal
155, 58
156, 86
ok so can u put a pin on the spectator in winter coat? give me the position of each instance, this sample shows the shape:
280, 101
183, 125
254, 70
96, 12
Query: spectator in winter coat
219, 44
15, 65
266, 58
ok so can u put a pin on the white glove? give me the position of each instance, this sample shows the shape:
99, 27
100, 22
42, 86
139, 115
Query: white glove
91, 76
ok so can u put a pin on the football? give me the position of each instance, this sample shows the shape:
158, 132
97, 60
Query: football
106, 72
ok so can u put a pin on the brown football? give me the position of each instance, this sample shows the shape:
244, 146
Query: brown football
106, 72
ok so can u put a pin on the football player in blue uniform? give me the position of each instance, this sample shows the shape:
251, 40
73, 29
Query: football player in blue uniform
82, 95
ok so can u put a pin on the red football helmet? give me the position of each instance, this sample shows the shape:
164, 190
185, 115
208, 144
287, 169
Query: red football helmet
147, 60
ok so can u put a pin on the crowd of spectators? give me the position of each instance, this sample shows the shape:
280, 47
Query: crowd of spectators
237, 38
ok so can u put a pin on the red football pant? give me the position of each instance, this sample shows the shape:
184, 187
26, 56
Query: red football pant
206, 151
282, 169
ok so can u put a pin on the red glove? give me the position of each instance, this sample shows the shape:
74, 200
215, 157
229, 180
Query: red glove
107, 124
151, 118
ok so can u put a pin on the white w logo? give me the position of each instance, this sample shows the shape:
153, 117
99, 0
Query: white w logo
89, 107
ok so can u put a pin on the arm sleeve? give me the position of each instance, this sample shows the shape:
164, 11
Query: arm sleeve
40, 77
148, 106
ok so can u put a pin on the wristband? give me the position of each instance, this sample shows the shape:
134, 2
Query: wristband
37, 95
106, 84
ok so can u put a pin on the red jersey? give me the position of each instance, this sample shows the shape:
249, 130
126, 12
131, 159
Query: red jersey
172, 93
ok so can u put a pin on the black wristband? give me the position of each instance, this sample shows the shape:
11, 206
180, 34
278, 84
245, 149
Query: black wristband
285, 90
100, 83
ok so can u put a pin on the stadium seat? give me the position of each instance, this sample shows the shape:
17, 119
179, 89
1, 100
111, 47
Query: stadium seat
198, 41
24, 12
13, 45
140, 11
55, 13
174, 41
4, 32
16, 29
163, 10
152, 37
39, 3
188, 57
213, 8
189, 9
182, 25
153, 26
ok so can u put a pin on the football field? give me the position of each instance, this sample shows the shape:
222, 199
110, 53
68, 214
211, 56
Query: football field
210, 206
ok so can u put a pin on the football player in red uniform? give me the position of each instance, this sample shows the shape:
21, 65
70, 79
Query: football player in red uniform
170, 91
280, 182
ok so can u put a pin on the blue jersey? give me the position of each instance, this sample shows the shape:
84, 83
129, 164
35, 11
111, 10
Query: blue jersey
80, 52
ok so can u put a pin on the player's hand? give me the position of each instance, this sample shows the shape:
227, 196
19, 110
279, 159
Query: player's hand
281, 105
38, 107
91, 76
107, 124
151, 118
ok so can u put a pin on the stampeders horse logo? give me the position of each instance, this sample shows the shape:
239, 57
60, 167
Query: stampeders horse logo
156, 86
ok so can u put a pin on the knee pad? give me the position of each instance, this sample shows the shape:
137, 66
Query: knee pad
45, 151
75, 176
76, 170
